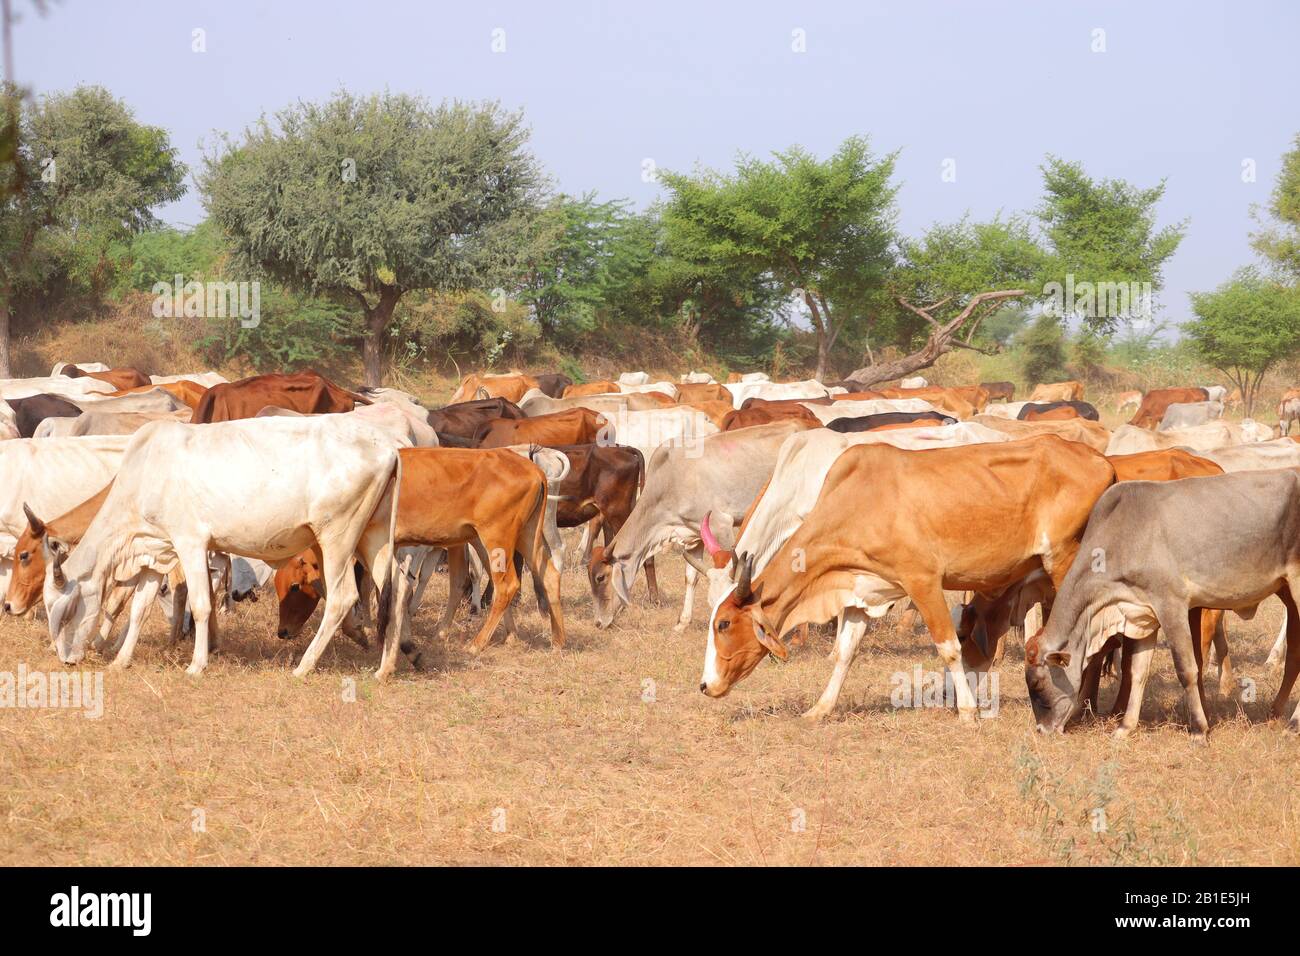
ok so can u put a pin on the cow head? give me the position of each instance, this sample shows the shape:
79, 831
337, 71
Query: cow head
611, 585
1054, 674
738, 639
27, 579
297, 585
72, 602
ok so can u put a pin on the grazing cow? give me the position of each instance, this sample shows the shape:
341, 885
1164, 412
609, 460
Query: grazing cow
1056, 411
722, 476
602, 387
1288, 409
797, 477
1000, 391
119, 378
511, 386
961, 402
1238, 541
1057, 392
1092, 434
1007, 410
736, 377
449, 497
691, 393
31, 411
52, 476
1017, 507
304, 392
189, 393
1157, 401
319, 480
915, 381
1216, 393
154, 399
407, 427
464, 418
577, 426
1128, 439
553, 383
753, 403
868, 423
1190, 414
28, 578
1125, 400
1256, 456
534, 403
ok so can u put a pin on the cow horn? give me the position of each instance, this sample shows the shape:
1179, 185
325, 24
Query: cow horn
706, 535
746, 563
35, 523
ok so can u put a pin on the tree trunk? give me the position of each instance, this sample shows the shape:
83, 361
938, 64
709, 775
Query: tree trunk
372, 348
5, 369
823, 356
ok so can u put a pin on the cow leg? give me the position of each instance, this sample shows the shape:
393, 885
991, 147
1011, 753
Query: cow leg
928, 598
340, 595
1278, 653
1125, 656
651, 584
907, 620
1292, 658
1137, 664
194, 565
1176, 623
112, 607
543, 569
146, 590
180, 603
505, 585
1228, 685
457, 573
852, 628
688, 599
1088, 689
400, 621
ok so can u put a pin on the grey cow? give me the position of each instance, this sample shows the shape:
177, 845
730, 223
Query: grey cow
1154, 551
1187, 414
720, 475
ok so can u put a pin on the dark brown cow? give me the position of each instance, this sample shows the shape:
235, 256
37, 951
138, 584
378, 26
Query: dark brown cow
889, 420
34, 409
553, 383
125, 377
577, 426
1157, 401
464, 418
304, 392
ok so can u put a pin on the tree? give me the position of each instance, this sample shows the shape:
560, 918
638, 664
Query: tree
948, 282
1279, 243
1102, 236
822, 230
366, 199
85, 175
1245, 327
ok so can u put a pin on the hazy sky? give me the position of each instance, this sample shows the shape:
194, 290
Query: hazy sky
1185, 91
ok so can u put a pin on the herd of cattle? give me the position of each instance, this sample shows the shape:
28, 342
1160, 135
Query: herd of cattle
798, 503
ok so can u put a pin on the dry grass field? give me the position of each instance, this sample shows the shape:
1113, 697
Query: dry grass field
607, 753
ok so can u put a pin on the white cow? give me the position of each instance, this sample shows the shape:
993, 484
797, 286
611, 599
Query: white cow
53, 476
871, 406
634, 378
663, 388
915, 381
677, 425
1256, 456
69, 388
1190, 414
697, 378
1215, 393
104, 423
261, 488
1009, 410
1129, 439
742, 391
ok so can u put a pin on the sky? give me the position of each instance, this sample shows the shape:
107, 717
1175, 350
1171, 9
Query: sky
1195, 93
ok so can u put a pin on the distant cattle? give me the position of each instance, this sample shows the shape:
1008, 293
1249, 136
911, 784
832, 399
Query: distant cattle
186, 391
697, 378
692, 392
914, 382
1288, 409
1128, 439
1189, 414
511, 386
304, 392
1057, 392
1256, 456
1126, 400
1048, 411
999, 391
534, 403
1157, 401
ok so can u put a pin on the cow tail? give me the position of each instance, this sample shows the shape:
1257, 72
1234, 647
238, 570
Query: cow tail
385, 611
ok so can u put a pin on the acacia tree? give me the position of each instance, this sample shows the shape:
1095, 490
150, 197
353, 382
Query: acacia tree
366, 199
823, 230
1245, 327
1279, 241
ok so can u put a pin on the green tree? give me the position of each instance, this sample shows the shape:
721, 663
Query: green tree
1245, 327
1043, 348
1103, 234
85, 176
822, 230
1279, 242
366, 199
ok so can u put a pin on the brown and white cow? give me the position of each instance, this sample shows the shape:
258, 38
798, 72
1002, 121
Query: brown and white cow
1157, 401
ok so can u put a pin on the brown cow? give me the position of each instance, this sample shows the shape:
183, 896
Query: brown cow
689, 393
511, 386
1048, 412
715, 411
768, 413
1000, 391
304, 392
1093, 434
184, 390
448, 497
1157, 401
577, 426
464, 418
962, 402
1057, 392
604, 387
125, 377
974, 517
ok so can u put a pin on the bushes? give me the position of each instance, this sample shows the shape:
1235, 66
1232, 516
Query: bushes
1043, 350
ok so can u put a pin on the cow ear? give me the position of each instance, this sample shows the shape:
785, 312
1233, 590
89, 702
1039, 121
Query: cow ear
35, 523
1057, 659
774, 645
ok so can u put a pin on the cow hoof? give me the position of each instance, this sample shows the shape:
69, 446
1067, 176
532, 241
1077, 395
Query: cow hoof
117, 666
678, 627
1120, 733
968, 716
1293, 726
815, 714
194, 671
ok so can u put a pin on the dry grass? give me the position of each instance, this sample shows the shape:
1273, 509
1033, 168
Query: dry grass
587, 772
